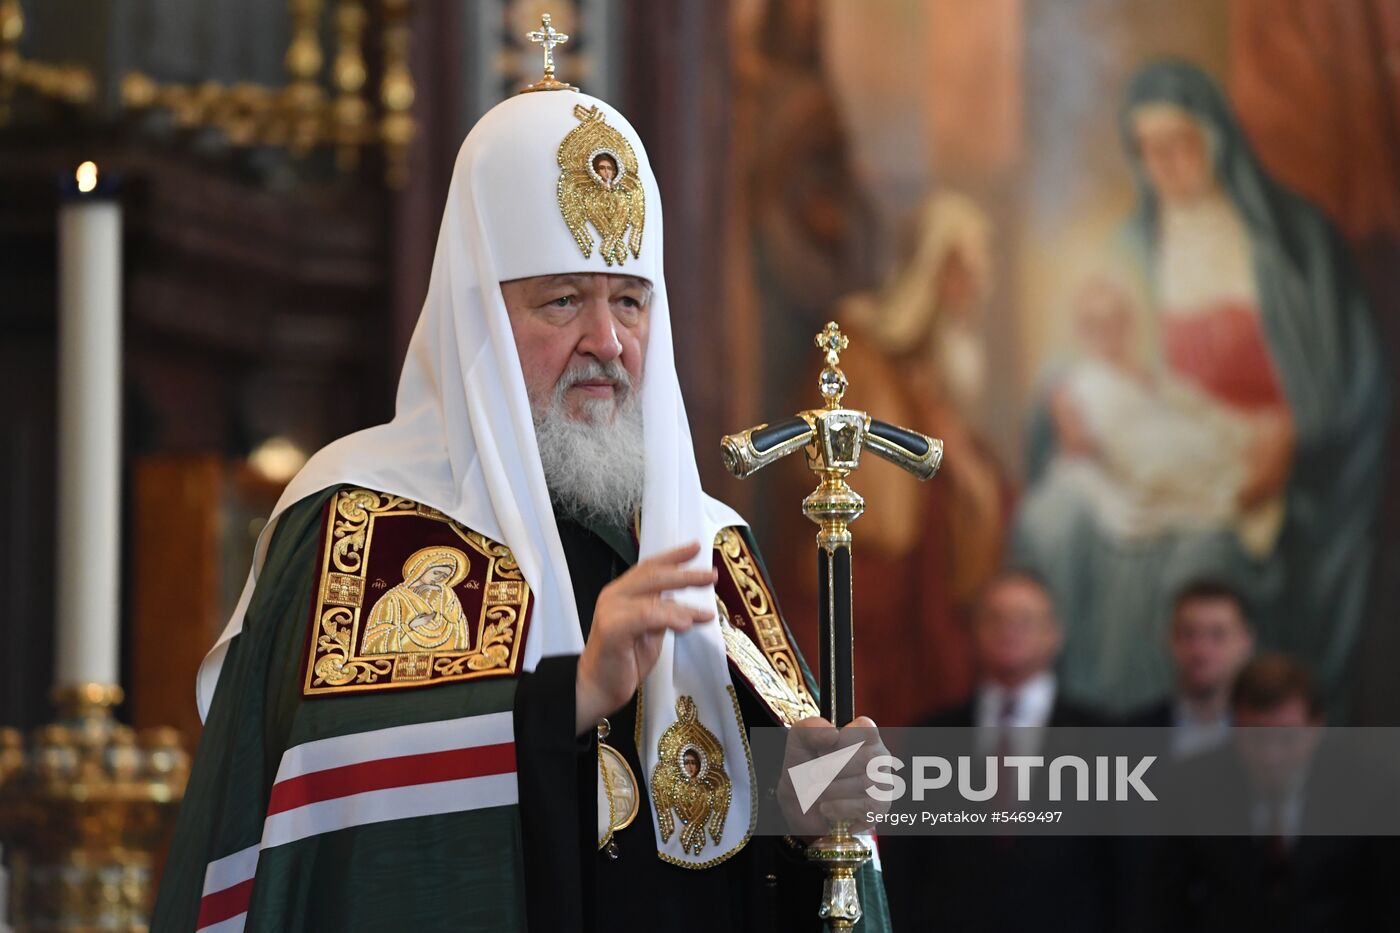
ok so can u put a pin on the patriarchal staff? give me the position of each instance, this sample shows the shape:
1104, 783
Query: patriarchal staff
832, 438
496, 660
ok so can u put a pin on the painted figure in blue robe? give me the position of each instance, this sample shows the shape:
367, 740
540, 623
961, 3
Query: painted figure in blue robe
1230, 424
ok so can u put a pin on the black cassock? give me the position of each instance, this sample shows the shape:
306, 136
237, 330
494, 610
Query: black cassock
569, 883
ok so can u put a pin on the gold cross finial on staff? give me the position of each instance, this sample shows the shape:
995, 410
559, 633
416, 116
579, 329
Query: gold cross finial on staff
547, 37
832, 380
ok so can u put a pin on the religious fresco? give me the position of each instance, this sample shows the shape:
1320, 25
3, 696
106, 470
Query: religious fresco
1140, 291
1195, 435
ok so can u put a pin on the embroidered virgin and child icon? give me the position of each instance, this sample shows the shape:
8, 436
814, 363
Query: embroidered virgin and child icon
423, 612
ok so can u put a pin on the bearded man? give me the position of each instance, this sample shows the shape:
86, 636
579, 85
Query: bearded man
513, 782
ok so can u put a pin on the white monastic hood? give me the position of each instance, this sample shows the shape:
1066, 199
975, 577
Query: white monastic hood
462, 439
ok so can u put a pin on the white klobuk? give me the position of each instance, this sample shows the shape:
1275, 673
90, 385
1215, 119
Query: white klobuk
462, 439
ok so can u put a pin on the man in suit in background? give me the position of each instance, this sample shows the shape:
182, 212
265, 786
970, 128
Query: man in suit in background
1007, 883
1211, 638
1258, 861
1015, 642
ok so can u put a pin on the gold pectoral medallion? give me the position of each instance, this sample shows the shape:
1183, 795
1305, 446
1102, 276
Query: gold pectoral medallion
619, 786
689, 783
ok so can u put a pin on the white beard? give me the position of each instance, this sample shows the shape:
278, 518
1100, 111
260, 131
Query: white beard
594, 466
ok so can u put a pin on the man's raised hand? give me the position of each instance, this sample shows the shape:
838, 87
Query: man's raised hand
630, 622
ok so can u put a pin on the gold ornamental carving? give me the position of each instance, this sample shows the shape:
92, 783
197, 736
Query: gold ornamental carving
305, 114
67, 84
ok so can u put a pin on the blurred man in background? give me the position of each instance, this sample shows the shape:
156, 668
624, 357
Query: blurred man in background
1259, 859
1007, 882
1016, 639
1210, 640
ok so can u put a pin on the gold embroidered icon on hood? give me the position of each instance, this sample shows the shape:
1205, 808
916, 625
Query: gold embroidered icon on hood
599, 184
689, 781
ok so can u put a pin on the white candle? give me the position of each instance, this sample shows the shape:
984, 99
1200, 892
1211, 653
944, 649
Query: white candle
89, 423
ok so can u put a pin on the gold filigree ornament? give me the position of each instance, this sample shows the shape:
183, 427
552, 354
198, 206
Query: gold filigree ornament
620, 788
689, 782
791, 699
373, 636
599, 184
787, 704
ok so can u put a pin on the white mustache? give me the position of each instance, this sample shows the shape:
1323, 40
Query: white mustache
593, 369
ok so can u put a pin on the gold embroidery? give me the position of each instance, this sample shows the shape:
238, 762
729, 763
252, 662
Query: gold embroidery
416, 666
344, 589
689, 781
505, 592
753, 793
599, 184
762, 613
351, 514
417, 631
422, 612
789, 705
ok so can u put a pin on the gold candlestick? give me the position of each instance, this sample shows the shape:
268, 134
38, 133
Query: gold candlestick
303, 115
83, 811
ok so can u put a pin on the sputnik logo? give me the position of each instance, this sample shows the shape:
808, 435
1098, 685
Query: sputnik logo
811, 778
